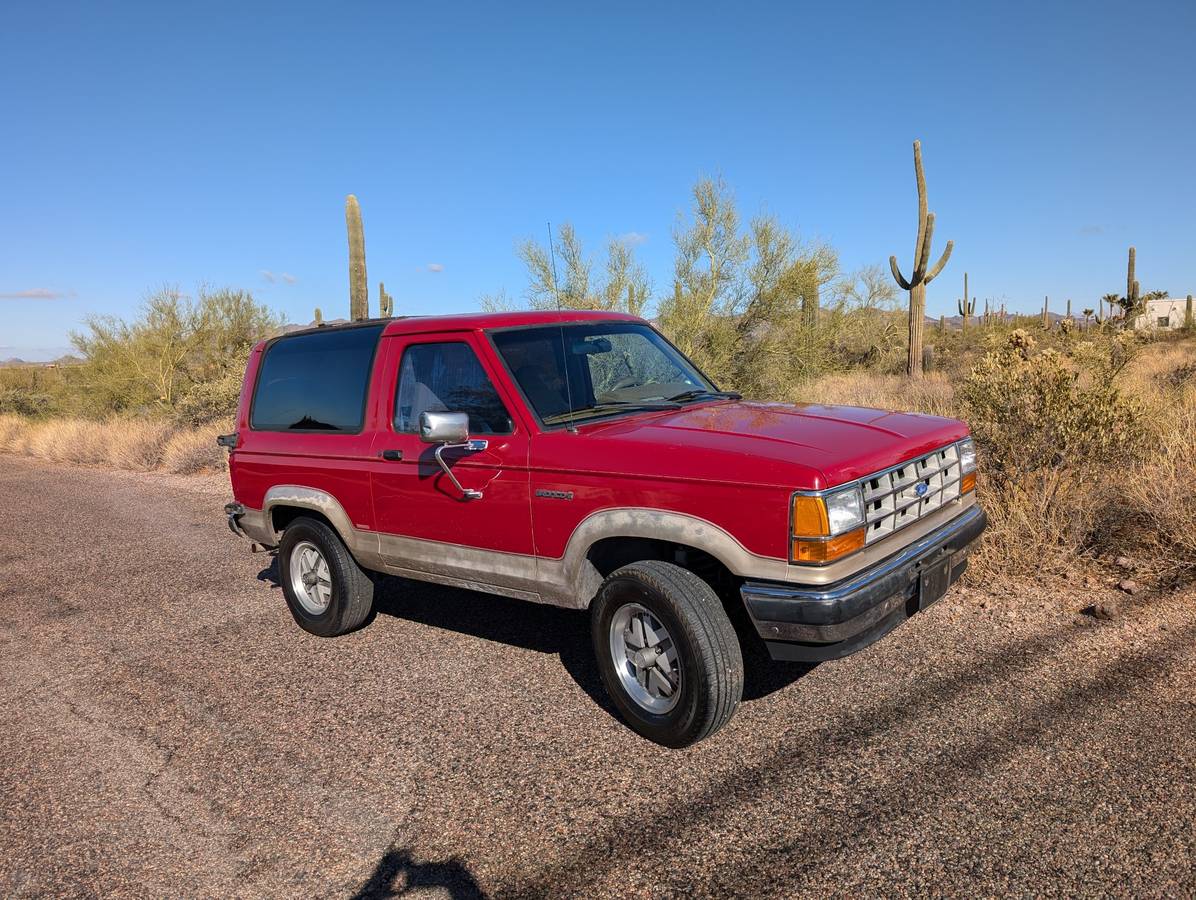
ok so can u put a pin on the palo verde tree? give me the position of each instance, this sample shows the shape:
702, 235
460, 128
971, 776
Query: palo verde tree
921, 276
563, 276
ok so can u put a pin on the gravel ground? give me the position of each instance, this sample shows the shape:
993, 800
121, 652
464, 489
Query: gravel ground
166, 730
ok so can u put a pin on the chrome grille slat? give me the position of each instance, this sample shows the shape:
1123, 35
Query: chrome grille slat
890, 497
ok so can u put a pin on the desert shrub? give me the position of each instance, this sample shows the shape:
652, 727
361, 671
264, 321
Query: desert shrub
24, 402
150, 364
1055, 432
208, 401
1036, 411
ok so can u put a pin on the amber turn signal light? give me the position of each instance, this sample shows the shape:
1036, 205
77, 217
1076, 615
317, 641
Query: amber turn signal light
827, 550
967, 483
809, 517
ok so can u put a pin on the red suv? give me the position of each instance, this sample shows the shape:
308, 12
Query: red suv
579, 459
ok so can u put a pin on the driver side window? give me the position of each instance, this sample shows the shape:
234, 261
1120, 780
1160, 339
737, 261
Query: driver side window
447, 377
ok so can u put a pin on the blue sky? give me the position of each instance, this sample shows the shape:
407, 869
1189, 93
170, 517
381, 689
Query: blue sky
146, 144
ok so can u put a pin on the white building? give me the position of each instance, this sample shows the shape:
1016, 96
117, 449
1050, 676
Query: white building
1167, 313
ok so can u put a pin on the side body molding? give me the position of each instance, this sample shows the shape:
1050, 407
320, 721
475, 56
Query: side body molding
570, 581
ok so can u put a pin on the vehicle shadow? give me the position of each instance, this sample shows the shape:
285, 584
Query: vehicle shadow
546, 629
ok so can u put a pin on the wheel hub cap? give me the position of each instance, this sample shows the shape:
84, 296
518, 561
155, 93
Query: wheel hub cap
311, 579
645, 658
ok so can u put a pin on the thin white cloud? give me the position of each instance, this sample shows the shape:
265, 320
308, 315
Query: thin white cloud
37, 294
435, 267
632, 238
1092, 229
289, 278
269, 276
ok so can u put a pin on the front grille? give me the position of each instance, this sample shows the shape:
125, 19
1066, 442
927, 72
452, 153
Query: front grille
894, 498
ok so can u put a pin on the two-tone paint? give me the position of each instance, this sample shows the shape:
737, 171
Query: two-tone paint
715, 475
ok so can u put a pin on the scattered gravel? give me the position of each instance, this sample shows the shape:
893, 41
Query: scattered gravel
168, 731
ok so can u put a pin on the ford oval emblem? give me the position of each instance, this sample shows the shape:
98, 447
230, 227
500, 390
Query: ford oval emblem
922, 489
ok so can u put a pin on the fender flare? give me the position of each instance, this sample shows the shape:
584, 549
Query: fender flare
662, 525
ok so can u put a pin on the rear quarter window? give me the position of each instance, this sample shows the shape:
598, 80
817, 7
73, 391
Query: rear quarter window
316, 381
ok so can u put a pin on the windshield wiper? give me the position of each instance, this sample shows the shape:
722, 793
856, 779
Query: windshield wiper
613, 406
695, 393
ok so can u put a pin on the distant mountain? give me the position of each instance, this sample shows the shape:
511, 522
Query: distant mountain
16, 361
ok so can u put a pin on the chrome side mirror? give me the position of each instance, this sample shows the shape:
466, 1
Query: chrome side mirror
444, 427
450, 430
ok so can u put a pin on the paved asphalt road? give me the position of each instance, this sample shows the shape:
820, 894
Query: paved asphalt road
166, 731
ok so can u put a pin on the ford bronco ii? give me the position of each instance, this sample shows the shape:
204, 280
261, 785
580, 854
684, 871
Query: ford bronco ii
579, 459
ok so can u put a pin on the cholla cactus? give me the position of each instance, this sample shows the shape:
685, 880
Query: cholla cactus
1021, 342
921, 275
319, 317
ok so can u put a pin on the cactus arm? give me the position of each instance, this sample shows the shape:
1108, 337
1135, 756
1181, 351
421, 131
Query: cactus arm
901, 282
938, 266
923, 239
924, 260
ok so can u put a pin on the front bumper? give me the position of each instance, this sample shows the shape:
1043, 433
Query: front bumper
811, 624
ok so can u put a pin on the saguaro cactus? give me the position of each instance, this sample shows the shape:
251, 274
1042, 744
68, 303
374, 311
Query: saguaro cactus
359, 291
1068, 316
966, 310
386, 303
1046, 314
920, 277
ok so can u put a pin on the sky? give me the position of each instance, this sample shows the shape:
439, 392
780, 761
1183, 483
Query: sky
213, 144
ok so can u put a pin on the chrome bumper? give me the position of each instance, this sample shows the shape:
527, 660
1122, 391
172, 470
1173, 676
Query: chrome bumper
832, 621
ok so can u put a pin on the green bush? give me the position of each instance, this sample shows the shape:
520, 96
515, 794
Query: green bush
176, 358
1046, 410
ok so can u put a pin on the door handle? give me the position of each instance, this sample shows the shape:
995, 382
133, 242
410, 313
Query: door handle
392, 455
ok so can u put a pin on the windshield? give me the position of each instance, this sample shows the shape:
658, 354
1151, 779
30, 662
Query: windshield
580, 371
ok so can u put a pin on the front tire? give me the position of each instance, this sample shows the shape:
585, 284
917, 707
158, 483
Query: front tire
668, 654
327, 592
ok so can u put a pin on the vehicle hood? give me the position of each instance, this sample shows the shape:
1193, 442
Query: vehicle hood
806, 446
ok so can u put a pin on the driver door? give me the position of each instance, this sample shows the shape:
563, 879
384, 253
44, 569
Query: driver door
426, 525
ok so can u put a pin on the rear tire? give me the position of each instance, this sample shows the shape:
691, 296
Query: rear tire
668, 654
328, 593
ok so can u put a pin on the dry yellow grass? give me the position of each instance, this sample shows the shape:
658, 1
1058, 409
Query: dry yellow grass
934, 394
135, 444
193, 450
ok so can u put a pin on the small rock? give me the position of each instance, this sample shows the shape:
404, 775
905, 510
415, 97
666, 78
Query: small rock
1130, 587
1106, 610
1124, 562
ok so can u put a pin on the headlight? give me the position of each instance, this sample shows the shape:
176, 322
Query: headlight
845, 510
826, 527
967, 456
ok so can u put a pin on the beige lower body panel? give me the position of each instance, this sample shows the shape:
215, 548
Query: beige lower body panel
571, 581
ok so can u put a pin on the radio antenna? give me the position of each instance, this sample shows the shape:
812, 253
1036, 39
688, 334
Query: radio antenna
556, 293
